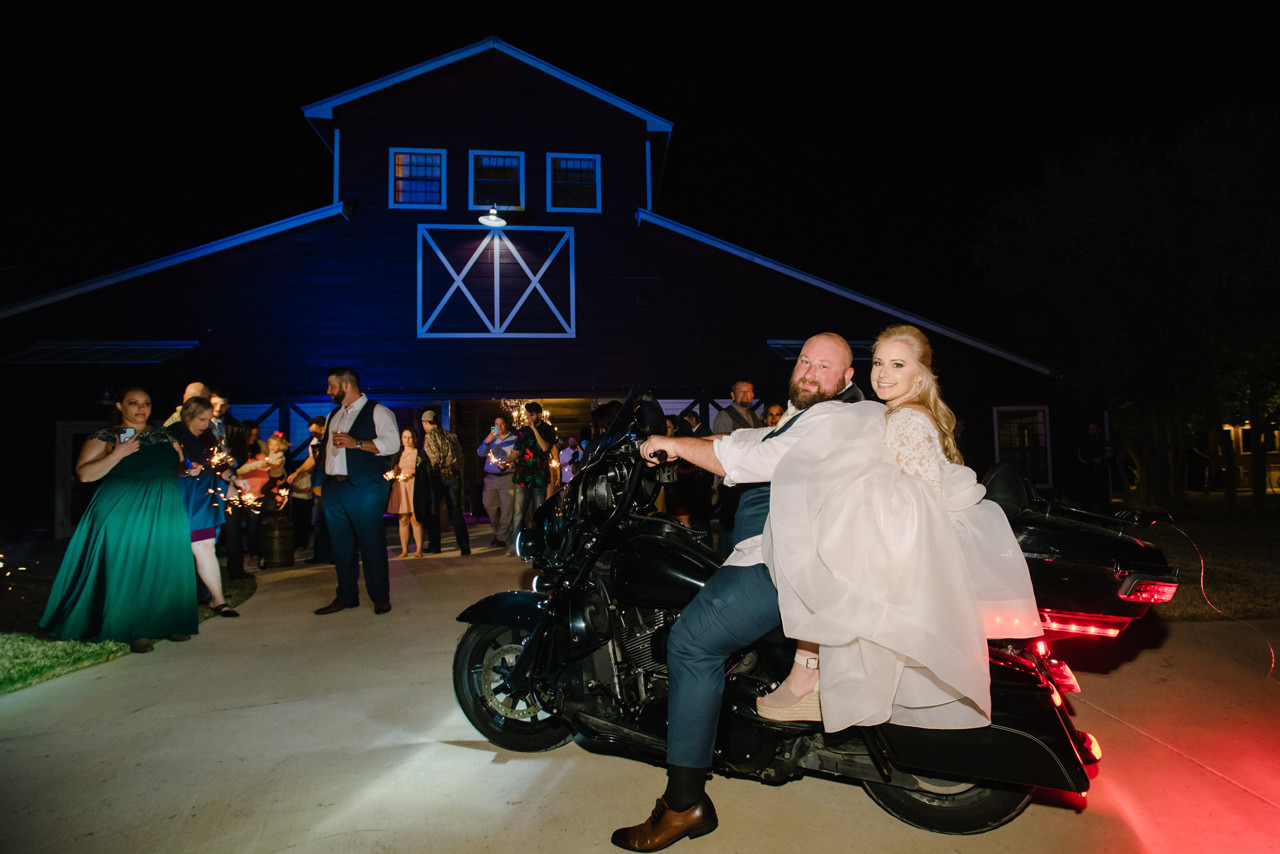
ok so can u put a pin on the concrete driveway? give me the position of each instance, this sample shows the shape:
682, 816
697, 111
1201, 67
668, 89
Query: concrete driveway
284, 731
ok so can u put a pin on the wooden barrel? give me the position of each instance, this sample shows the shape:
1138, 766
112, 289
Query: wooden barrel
275, 538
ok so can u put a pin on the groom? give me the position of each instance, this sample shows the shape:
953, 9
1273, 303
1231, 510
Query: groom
361, 439
739, 602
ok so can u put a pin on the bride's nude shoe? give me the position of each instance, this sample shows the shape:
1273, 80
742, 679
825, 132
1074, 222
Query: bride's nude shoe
782, 705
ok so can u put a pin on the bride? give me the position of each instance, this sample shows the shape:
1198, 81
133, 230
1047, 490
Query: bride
890, 568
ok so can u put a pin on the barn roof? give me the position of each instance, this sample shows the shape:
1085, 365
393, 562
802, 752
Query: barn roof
644, 216
278, 227
323, 109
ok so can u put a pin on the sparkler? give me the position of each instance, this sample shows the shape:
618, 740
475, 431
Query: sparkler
246, 501
221, 460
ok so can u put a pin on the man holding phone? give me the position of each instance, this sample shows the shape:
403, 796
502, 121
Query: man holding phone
499, 491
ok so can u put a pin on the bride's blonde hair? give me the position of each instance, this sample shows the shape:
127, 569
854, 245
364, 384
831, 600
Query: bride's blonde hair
928, 395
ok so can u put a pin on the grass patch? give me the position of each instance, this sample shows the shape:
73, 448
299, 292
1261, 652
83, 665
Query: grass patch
27, 660
28, 656
1241, 551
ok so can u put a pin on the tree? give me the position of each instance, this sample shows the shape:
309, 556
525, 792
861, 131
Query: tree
1151, 267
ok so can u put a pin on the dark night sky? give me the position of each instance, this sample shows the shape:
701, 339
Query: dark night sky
863, 155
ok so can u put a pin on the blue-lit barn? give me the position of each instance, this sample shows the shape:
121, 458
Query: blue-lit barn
574, 291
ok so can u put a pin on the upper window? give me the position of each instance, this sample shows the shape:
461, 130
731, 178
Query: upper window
497, 180
573, 182
417, 178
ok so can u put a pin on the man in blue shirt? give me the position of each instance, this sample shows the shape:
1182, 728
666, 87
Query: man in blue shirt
499, 492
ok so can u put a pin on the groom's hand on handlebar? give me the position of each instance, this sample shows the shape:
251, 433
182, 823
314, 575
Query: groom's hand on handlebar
657, 450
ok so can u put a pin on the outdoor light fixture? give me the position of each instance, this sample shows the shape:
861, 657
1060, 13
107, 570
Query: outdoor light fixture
492, 220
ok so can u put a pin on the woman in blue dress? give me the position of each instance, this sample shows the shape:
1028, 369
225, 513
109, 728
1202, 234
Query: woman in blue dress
204, 490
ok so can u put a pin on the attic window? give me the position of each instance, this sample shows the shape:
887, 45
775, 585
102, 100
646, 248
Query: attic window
417, 178
573, 182
497, 180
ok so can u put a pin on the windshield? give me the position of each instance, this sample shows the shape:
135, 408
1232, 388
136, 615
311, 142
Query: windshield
639, 414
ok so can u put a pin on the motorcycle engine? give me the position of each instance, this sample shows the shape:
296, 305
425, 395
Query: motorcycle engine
643, 635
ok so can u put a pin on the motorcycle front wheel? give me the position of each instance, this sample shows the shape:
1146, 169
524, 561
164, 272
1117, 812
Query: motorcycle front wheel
944, 806
484, 658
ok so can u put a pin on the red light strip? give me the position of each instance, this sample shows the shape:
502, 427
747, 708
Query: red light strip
1080, 629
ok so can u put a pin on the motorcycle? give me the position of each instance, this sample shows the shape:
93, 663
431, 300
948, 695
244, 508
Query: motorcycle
584, 655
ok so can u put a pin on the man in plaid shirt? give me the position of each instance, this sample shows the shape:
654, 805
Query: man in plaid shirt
445, 455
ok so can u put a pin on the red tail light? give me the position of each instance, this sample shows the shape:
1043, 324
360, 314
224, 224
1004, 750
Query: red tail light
1100, 625
1062, 675
1142, 590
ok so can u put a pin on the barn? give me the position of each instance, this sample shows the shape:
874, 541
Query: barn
483, 245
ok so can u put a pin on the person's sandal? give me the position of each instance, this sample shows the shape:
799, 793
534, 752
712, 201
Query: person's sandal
782, 705
775, 708
224, 610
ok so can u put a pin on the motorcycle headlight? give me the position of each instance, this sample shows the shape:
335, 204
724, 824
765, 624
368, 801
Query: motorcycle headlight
529, 543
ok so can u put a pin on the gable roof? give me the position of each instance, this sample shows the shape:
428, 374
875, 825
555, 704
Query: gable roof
646, 216
278, 227
323, 109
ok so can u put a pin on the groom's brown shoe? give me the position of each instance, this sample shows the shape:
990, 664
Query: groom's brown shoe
666, 826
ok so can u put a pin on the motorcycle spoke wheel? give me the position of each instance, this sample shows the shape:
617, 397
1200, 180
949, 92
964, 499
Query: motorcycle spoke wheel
513, 721
947, 806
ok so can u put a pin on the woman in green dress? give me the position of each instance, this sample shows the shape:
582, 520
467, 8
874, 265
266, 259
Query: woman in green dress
126, 574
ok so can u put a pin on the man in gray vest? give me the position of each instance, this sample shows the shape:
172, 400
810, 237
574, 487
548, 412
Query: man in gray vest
360, 445
736, 416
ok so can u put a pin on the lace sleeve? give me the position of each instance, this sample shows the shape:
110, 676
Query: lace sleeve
912, 442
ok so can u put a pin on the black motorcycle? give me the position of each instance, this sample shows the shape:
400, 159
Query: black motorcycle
584, 654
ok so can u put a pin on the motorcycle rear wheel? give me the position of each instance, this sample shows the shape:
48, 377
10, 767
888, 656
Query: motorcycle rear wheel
947, 807
484, 657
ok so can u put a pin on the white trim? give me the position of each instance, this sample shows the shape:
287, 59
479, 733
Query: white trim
643, 216
648, 176
472, 204
391, 178
317, 215
323, 109
336, 160
496, 326
596, 158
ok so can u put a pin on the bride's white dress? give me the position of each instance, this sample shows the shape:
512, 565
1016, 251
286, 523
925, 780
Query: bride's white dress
886, 555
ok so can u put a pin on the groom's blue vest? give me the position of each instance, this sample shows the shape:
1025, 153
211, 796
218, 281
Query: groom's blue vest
362, 467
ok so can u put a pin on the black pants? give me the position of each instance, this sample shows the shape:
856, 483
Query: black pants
300, 515
446, 487
230, 540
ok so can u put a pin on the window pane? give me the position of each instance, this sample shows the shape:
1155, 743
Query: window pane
418, 178
497, 180
573, 182
1022, 438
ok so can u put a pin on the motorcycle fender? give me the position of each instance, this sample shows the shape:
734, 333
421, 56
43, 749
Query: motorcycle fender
523, 609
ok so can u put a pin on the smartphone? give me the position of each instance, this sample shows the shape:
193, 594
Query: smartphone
126, 433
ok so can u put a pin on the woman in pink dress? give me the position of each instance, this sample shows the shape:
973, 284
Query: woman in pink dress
402, 482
